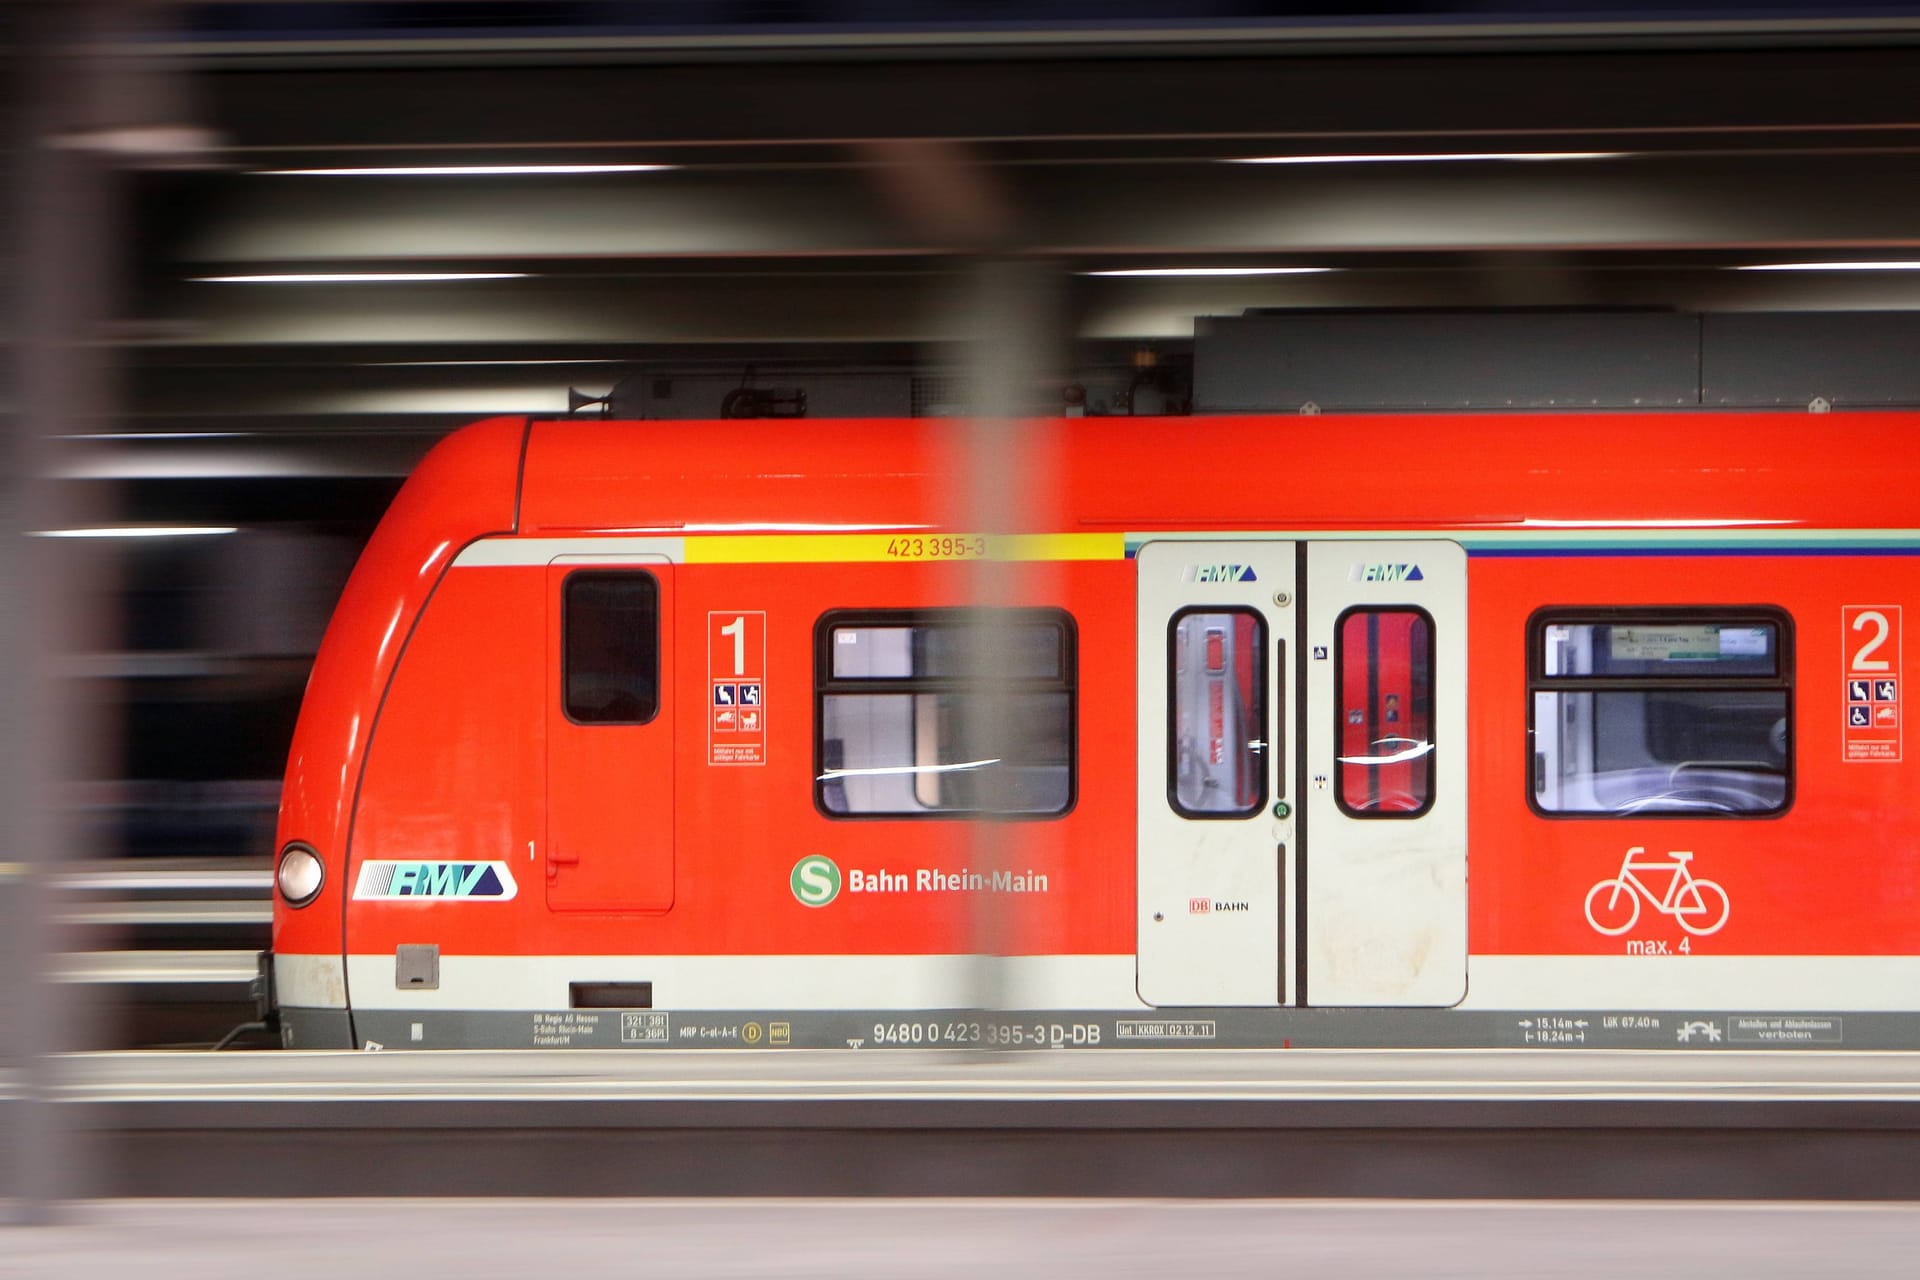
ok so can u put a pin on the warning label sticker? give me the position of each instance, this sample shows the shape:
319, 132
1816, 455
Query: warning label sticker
736, 673
1155, 1030
1785, 1030
643, 1028
1872, 724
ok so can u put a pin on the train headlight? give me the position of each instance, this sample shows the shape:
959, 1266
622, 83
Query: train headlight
300, 875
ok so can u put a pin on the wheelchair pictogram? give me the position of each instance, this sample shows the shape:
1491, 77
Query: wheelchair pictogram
1700, 906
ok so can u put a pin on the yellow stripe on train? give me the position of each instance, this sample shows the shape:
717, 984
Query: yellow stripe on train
902, 548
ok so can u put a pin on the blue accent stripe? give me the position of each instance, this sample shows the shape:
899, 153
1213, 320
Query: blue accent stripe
1477, 544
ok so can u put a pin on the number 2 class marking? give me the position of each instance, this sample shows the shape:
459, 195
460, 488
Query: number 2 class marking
1863, 659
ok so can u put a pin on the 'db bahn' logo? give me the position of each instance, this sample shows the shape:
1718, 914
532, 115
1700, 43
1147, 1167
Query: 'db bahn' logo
815, 880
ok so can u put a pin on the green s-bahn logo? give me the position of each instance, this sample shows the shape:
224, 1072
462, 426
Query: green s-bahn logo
815, 880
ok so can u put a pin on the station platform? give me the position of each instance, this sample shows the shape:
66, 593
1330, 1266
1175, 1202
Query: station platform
914, 1239
1401, 1123
1104, 1083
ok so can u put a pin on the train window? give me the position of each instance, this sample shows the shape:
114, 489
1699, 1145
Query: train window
1678, 651
1217, 713
610, 641
1383, 686
1022, 650
1668, 712
908, 728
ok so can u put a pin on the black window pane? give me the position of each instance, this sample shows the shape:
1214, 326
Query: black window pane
611, 630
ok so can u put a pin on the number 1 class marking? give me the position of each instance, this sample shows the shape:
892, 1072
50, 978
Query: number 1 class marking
737, 725
738, 630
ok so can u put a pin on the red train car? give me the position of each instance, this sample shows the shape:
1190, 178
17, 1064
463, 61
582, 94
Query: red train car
1575, 729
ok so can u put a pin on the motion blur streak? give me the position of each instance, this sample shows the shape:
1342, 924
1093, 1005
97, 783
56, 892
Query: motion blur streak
61, 212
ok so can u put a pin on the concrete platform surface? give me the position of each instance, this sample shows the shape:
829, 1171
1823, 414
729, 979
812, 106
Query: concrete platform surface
912, 1239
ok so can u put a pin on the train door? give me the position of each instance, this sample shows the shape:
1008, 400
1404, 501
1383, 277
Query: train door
609, 722
1216, 674
1384, 821
1302, 773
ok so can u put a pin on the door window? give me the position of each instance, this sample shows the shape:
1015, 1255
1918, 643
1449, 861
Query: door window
1217, 714
610, 638
1383, 685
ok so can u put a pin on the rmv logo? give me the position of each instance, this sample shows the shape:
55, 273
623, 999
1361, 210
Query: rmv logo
435, 880
815, 880
1218, 573
1385, 573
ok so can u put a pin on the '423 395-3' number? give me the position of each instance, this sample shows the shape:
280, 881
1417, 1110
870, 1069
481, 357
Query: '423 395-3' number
938, 547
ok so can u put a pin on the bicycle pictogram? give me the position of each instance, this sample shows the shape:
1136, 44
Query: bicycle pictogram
1700, 906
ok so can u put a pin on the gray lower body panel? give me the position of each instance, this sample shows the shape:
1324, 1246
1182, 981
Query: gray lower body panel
658, 1029
316, 1029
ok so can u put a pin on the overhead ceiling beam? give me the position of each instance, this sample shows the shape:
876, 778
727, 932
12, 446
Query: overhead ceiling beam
1226, 97
1662, 203
743, 34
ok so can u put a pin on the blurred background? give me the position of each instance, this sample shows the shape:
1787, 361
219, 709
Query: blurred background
260, 256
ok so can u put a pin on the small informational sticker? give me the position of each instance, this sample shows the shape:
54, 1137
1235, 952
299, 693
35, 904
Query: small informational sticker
1872, 683
1127, 1029
643, 1028
1666, 644
1795, 1029
736, 676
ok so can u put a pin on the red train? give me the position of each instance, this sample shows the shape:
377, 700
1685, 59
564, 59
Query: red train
1577, 729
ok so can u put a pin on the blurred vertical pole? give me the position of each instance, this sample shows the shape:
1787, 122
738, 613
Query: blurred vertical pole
1016, 347
57, 241
1010, 321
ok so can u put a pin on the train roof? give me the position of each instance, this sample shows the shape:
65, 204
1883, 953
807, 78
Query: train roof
1387, 472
